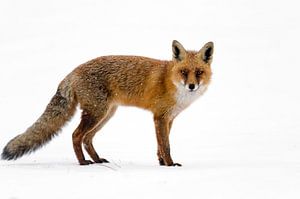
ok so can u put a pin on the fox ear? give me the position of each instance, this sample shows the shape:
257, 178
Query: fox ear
179, 52
206, 52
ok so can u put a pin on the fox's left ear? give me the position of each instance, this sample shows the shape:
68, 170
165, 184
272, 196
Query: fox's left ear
206, 52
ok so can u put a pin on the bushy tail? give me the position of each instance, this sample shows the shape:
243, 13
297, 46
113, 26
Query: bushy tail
60, 109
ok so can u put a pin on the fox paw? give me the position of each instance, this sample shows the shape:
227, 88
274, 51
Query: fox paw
101, 160
162, 163
172, 165
176, 164
86, 162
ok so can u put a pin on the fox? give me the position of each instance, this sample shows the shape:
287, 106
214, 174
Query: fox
99, 86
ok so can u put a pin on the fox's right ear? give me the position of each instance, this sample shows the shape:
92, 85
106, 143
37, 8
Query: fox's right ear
179, 52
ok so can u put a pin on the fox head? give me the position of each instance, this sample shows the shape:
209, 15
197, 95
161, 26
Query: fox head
191, 69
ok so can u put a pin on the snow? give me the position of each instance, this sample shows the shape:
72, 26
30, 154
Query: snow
239, 140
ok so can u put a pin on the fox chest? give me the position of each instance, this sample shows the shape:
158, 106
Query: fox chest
184, 98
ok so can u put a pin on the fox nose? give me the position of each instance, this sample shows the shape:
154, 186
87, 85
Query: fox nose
191, 86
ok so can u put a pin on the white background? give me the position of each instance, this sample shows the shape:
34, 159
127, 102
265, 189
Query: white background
240, 140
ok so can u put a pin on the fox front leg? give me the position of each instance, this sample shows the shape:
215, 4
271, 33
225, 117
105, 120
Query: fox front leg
162, 127
160, 159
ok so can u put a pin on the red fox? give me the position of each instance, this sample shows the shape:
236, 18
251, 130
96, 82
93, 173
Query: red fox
100, 85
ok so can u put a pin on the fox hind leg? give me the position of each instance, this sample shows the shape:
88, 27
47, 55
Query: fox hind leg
89, 121
88, 137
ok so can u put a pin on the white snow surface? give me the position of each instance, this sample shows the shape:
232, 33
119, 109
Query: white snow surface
240, 140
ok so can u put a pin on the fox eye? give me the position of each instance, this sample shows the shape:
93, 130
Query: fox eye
184, 73
199, 73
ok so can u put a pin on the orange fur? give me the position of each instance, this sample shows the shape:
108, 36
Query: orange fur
99, 86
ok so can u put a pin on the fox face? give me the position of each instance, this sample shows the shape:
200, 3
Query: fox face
191, 69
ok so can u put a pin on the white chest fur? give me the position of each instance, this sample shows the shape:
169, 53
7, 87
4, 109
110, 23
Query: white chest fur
184, 97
